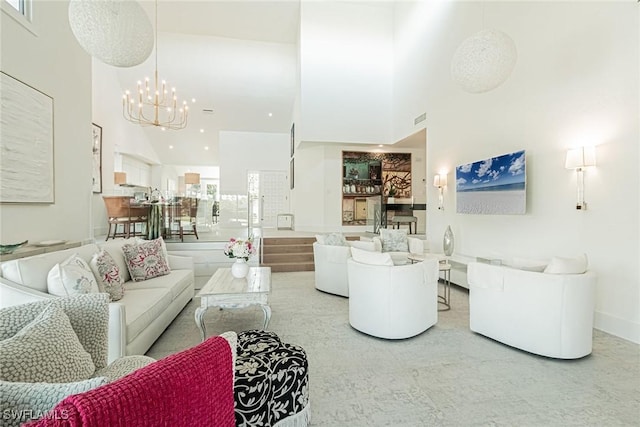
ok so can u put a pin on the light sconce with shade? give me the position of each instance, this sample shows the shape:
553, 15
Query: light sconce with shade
578, 159
191, 178
440, 181
119, 178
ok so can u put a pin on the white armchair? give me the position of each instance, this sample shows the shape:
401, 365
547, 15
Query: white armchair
331, 266
393, 301
542, 313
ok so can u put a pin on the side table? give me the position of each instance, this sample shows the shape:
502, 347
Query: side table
445, 268
445, 299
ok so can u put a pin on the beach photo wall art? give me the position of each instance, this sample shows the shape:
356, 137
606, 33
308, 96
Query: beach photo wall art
496, 185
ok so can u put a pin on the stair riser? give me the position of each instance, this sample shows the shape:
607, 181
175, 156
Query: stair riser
289, 249
288, 258
275, 241
287, 268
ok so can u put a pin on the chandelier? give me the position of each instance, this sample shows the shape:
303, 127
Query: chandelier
152, 104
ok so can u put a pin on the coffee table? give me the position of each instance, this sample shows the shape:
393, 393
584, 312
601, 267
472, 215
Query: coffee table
225, 291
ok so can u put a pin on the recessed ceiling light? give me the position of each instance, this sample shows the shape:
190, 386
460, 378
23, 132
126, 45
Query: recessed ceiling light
163, 128
193, 100
270, 114
201, 130
171, 147
206, 148
380, 145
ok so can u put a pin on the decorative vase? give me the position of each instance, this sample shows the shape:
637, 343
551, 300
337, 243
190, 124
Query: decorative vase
448, 242
240, 268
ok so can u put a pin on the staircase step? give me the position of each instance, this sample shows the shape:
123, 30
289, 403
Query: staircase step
288, 258
287, 240
286, 267
287, 249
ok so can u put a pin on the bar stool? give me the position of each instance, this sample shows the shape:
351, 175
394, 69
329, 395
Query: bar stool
397, 220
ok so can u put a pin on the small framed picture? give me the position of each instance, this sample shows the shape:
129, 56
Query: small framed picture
291, 173
293, 139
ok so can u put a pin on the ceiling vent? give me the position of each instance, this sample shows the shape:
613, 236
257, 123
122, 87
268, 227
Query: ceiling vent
207, 110
421, 118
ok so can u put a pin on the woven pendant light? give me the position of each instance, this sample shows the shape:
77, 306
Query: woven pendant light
484, 61
116, 32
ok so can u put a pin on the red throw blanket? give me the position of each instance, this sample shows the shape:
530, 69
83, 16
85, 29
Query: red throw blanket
191, 388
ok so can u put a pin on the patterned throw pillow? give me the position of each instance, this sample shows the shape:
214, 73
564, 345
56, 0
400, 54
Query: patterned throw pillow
394, 240
107, 275
46, 350
335, 239
29, 401
145, 260
71, 277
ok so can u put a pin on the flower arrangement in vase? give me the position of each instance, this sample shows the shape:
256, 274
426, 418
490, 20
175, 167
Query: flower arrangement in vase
240, 250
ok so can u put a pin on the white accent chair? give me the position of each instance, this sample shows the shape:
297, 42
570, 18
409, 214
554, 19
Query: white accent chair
393, 301
331, 266
542, 313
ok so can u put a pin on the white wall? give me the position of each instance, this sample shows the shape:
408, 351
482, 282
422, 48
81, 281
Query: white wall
241, 152
119, 137
46, 56
346, 72
575, 83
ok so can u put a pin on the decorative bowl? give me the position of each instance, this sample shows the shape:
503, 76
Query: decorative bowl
9, 249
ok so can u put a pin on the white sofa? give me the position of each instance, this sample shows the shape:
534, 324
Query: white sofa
135, 321
542, 313
393, 301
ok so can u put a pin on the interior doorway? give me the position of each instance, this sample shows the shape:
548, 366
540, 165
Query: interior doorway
268, 197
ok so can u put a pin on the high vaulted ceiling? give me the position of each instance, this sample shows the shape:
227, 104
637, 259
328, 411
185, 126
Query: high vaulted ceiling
237, 58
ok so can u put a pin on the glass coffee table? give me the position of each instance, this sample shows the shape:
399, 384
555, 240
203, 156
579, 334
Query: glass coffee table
226, 292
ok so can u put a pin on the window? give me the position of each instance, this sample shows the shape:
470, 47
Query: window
22, 6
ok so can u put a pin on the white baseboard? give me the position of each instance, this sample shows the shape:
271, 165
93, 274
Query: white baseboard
622, 328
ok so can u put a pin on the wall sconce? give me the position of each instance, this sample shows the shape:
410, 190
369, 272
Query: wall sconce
578, 159
440, 181
119, 178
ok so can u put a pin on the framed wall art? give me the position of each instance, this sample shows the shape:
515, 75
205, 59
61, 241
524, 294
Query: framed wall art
496, 185
26, 143
96, 147
293, 139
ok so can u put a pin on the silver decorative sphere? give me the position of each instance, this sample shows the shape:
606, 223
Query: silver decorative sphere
484, 61
116, 32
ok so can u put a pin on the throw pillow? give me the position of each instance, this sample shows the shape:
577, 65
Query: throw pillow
162, 244
73, 276
22, 402
559, 265
369, 257
365, 246
394, 240
107, 275
320, 238
46, 350
335, 239
145, 260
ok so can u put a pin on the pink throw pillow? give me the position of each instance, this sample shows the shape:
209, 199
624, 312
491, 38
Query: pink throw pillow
145, 260
107, 274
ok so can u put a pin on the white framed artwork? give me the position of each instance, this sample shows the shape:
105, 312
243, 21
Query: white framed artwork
26, 143
96, 150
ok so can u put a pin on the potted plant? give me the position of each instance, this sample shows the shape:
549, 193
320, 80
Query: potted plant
240, 250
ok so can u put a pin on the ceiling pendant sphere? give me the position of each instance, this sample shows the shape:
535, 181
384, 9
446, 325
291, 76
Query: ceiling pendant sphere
484, 61
117, 32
